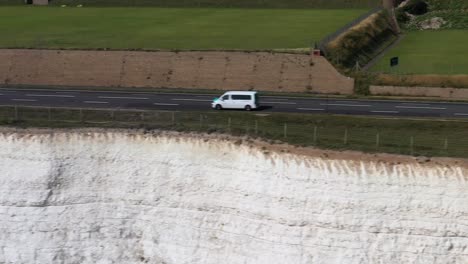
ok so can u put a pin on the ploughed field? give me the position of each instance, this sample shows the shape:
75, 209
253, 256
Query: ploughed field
167, 28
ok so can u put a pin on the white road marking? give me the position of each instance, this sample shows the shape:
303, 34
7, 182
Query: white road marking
286, 103
163, 104
276, 99
421, 107
195, 100
415, 104
49, 95
24, 100
123, 97
461, 114
347, 102
386, 112
1, 94
350, 105
311, 109
95, 102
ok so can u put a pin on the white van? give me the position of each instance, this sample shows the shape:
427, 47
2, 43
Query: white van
236, 100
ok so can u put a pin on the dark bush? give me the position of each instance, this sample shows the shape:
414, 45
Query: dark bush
401, 16
416, 7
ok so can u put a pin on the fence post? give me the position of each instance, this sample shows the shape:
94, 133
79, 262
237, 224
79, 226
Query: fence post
112, 115
446, 144
315, 135
16, 113
345, 139
285, 130
412, 145
377, 140
256, 127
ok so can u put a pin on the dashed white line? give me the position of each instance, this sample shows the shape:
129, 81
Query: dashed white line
24, 100
49, 95
385, 112
461, 114
350, 105
311, 109
286, 103
164, 104
123, 97
1, 94
421, 107
95, 102
195, 100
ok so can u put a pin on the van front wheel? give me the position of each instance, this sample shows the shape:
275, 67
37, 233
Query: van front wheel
218, 107
247, 108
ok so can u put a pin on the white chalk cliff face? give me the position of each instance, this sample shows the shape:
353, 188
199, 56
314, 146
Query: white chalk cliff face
74, 197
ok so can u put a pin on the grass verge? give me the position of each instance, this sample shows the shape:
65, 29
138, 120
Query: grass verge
428, 52
368, 134
226, 3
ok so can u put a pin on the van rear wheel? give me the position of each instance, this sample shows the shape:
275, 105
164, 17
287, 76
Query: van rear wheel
218, 107
248, 108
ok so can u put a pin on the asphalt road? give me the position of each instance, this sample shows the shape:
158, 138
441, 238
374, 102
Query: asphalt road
200, 102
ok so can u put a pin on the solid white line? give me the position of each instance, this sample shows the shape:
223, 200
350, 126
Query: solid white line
460, 114
95, 102
276, 99
421, 107
311, 109
49, 95
196, 100
351, 105
286, 103
165, 104
388, 112
123, 97
415, 104
24, 100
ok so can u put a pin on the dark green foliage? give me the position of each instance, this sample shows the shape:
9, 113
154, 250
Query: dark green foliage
362, 43
447, 4
401, 16
416, 7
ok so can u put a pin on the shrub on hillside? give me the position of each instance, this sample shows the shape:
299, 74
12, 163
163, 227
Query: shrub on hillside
402, 16
416, 7
361, 42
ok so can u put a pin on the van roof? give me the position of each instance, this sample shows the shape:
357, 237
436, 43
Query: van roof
241, 92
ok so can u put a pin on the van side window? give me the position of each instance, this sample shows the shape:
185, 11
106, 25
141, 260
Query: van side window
226, 97
241, 97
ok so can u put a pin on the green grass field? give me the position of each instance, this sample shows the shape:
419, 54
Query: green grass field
167, 28
429, 52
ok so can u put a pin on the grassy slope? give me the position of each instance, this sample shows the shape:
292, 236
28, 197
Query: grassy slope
429, 137
425, 52
167, 28
433, 51
226, 3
